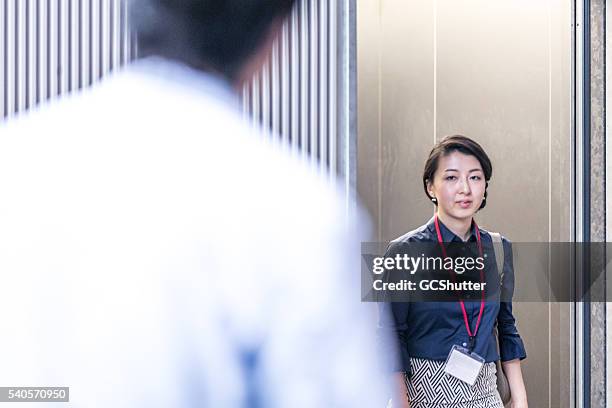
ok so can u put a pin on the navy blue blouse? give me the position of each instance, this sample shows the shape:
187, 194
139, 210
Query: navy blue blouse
429, 329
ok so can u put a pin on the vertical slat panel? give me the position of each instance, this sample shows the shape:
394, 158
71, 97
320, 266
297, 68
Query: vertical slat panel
3, 59
73, 44
45, 46
255, 108
10, 57
94, 40
304, 76
85, 40
245, 101
295, 78
21, 50
285, 91
314, 79
104, 36
20, 54
133, 47
123, 33
333, 64
31, 53
294, 86
265, 95
52, 49
63, 47
41, 51
323, 83
251, 100
115, 30
311, 46
275, 93
128, 35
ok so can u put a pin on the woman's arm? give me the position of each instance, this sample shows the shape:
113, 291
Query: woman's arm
400, 399
398, 361
392, 326
511, 347
513, 372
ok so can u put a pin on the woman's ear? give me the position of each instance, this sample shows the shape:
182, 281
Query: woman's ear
429, 188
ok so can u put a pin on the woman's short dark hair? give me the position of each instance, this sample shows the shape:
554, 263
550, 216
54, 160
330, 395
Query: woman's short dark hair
219, 34
462, 144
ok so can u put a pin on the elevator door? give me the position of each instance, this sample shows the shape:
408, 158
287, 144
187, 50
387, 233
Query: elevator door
499, 72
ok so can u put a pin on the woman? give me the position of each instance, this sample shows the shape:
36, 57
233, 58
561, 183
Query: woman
455, 179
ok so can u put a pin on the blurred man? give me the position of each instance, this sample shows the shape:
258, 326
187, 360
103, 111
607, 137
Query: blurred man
155, 253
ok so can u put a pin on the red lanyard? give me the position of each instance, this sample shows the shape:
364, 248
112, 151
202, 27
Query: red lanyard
465, 318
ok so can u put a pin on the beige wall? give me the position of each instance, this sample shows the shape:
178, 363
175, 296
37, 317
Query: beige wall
499, 72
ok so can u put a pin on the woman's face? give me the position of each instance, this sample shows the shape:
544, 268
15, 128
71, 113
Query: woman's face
458, 185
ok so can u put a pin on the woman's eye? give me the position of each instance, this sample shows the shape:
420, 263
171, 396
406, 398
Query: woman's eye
476, 178
450, 177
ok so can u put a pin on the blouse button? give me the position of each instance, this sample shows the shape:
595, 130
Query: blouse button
464, 344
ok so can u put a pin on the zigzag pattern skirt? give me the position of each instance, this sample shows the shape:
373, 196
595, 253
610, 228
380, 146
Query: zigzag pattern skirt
430, 387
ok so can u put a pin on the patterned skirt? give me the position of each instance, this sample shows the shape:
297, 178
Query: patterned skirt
430, 387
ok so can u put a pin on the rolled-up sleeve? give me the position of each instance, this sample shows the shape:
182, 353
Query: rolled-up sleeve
510, 343
392, 327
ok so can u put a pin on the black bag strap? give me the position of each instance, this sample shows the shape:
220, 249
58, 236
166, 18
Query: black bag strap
498, 249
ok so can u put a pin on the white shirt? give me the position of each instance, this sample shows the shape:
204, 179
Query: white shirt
156, 252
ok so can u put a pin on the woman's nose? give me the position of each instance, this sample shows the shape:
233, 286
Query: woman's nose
466, 187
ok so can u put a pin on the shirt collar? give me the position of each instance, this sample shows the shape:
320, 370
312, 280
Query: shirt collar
448, 235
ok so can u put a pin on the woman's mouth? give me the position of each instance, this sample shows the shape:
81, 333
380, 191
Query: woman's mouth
464, 203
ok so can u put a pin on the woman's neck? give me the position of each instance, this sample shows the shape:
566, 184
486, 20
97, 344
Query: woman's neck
459, 226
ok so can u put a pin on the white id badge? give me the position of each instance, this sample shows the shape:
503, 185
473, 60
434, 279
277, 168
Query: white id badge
463, 365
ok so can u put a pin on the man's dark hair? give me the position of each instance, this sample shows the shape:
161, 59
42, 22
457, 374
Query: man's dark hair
219, 35
462, 144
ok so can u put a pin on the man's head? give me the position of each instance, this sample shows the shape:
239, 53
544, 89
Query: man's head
222, 36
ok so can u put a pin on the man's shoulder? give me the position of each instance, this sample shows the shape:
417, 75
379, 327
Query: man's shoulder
167, 150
